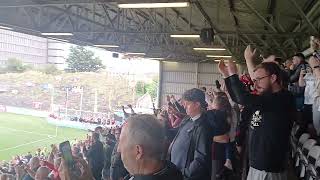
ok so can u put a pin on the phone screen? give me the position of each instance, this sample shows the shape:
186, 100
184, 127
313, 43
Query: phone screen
65, 149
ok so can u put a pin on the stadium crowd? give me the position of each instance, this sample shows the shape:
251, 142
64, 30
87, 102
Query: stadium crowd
238, 130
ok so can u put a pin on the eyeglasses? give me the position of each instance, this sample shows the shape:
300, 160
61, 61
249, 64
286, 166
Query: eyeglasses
259, 79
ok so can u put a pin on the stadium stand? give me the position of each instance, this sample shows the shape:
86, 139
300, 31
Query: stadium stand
205, 135
305, 150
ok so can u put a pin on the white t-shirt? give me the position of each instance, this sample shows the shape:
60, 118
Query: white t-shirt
310, 89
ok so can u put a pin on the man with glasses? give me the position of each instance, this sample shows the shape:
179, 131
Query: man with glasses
273, 114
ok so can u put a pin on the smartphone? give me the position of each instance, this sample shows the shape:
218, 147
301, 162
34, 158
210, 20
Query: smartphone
65, 150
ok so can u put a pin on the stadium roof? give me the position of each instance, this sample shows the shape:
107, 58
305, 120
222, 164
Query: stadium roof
272, 26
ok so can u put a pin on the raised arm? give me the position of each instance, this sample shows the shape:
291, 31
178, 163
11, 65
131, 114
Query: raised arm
250, 55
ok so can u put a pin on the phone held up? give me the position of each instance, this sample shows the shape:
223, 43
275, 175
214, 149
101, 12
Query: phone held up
65, 150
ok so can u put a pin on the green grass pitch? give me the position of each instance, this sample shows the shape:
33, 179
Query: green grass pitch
20, 134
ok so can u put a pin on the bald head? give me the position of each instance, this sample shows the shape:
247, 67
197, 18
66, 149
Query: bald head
42, 173
141, 141
147, 131
34, 162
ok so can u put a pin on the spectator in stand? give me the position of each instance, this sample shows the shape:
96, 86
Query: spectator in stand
28, 156
42, 173
110, 143
175, 117
308, 81
142, 146
174, 103
6, 177
299, 64
314, 62
221, 102
271, 122
54, 174
288, 65
127, 115
132, 111
32, 168
217, 119
117, 169
242, 140
315, 65
84, 174
95, 156
190, 150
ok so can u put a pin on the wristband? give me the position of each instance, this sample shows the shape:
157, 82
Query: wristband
316, 67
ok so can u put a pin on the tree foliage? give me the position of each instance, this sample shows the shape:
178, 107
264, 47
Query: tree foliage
140, 88
50, 69
83, 60
151, 88
15, 65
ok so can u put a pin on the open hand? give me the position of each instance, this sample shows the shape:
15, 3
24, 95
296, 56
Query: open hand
229, 70
250, 53
223, 68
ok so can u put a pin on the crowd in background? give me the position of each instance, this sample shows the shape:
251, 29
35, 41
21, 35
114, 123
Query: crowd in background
238, 130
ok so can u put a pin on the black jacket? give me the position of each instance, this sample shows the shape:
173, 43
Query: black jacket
117, 169
96, 156
270, 127
295, 74
218, 122
190, 150
169, 172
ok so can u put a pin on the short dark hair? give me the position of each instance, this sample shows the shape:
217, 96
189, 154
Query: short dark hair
110, 136
273, 68
278, 59
301, 56
204, 88
95, 136
195, 95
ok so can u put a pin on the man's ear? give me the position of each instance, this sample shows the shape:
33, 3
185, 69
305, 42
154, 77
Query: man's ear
198, 104
139, 152
273, 78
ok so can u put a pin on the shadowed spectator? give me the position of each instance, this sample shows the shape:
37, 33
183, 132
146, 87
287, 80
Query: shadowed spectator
96, 156
110, 143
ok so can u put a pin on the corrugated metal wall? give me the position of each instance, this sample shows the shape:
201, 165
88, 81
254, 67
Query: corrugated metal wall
175, 78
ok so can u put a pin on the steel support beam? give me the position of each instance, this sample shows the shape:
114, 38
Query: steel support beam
313, 28
208, 19
248, 5
314, 8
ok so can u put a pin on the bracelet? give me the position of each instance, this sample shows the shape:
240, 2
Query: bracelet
316, 67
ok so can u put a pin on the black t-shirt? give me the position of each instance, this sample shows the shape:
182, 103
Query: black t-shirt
269, 132
270, 127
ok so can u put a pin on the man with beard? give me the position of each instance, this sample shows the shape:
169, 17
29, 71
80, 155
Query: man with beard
271, 122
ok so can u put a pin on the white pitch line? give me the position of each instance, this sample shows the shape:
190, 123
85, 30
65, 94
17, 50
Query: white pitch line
6, 149
29, 132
